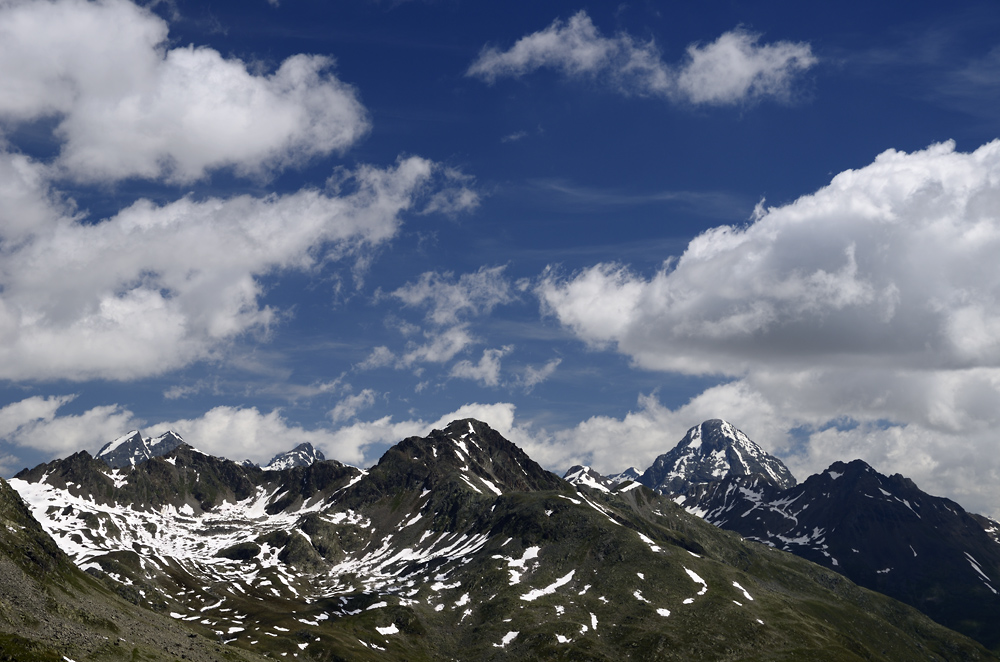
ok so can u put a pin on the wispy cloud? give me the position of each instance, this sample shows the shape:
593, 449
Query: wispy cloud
514, 137
533, 376
349, 407
447, 299
946, 63
733, 69
712, 204
450, 303
486, 371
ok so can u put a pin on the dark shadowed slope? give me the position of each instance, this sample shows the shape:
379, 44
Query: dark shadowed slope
882, 532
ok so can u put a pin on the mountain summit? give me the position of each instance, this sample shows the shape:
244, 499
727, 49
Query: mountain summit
132, 448
709, 453
302, 455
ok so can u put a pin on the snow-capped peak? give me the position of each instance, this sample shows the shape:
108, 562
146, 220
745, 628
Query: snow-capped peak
132, 448
170, 438
710, 452
587, 477
629, 474
302, 455
132, 436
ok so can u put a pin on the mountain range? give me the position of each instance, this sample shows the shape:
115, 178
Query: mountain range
456, 545
882, 532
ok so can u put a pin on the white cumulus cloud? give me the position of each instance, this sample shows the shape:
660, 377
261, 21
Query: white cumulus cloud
866, 312
247, 433
157, 286
128, 105
732, 69
233, 432
35, 423
892, 263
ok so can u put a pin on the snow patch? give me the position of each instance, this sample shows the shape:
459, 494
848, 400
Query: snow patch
698, 580
534, 594
507, 638
745, 593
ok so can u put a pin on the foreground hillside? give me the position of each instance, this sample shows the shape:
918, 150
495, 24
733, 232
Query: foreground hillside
52, 611
455, 546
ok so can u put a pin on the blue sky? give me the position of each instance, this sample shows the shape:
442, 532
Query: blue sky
592, 225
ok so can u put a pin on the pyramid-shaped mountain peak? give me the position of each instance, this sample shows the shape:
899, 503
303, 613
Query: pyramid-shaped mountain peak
467, 450
484, 450
711, 452
302, 455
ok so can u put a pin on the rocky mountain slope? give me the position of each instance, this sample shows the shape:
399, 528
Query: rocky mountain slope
882, 532
584, 476
132, 448
454, 546
52, 611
